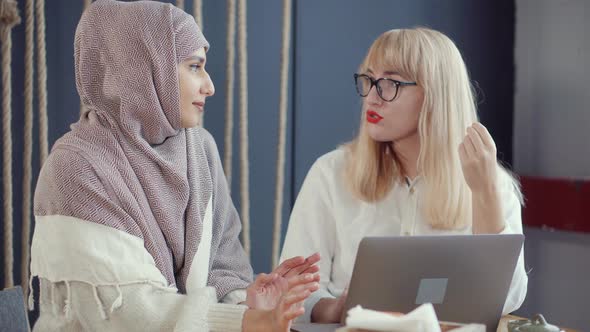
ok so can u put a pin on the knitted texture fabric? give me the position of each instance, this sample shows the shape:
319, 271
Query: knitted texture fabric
127, 163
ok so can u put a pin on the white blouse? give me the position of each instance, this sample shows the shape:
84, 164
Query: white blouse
328, 219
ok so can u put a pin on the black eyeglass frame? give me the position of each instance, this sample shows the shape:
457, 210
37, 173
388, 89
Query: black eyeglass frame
375, 82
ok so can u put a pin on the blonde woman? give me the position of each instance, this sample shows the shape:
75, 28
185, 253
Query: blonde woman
421, 164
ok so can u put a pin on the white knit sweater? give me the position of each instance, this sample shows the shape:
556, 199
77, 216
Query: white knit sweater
97, 278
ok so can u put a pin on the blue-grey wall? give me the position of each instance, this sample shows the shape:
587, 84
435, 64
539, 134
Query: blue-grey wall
558, 269
552, 57
264, 42
330, 39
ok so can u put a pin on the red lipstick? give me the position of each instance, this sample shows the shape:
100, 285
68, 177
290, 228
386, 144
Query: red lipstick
373, 117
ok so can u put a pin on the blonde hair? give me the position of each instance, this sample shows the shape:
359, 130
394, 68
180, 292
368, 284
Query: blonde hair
433, 61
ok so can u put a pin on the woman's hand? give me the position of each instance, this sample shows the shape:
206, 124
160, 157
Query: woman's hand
480, 169
477, 153
267, 289
287, 309
329, 310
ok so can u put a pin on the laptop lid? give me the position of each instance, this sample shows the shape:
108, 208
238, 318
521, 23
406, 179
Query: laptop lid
465, 277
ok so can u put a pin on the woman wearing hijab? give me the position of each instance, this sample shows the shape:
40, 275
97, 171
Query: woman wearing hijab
135, 228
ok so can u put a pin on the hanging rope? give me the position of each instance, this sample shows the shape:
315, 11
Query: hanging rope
244, 166
229, 88
179, 4
87, 4
8, 19
198, 13
42, 79
284, 95
28, 146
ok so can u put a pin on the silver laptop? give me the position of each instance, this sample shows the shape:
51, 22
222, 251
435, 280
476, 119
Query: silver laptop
465, 277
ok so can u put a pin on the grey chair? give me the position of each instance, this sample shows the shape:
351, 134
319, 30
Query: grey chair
13, 311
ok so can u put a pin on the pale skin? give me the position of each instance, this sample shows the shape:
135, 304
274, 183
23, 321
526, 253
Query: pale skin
477, 154
195, 86
478, 161
274, 299
266, 290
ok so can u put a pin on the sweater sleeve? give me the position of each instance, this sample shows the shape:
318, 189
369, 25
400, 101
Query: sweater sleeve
511, 207
78, 306
230, 266
311, 229
95, 277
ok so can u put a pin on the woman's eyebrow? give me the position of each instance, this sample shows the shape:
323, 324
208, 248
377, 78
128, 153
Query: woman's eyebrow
392, 73
196, 58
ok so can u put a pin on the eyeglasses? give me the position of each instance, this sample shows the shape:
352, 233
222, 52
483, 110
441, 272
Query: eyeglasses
387, 88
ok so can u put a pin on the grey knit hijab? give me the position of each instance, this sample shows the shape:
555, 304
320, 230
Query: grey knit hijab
154, 178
